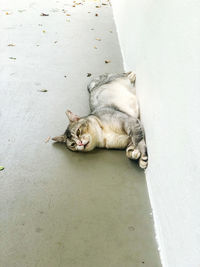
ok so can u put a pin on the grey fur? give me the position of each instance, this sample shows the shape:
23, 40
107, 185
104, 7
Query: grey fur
113, 121
111, 113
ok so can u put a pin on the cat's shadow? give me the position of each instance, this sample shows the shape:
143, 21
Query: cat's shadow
78, 157
102, 156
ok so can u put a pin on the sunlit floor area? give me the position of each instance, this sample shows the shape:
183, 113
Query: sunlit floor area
59, 208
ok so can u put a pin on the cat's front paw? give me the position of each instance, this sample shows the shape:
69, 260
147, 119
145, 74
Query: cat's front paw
132, 153
143, 161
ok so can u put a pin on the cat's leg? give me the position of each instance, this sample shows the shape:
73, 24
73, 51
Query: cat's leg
143, 161
139, 152
137, 149
134, 129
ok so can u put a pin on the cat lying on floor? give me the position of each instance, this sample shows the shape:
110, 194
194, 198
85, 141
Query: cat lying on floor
113, 121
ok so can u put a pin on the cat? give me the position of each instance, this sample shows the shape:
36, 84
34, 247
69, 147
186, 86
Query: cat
114, 121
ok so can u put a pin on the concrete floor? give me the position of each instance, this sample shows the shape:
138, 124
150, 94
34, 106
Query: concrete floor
59, 208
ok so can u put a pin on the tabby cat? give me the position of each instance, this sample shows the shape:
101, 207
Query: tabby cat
113, 122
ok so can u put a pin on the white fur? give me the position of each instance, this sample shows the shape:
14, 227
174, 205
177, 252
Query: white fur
121, 93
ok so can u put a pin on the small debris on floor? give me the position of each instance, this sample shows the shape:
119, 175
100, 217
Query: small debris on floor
98, 6
104, 4
44, 31
21, 10
55, 42
65, 76
96, 15
43, 90
11, 44
111, 31
1, 168
89, 74
7, 13
107, 61
98, 39
14, 58
44, 15
89, 12
131, 228
92, 29
95, 47
40, 25
48, 139
68, 15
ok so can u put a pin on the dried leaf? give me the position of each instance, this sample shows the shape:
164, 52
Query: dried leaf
89, 74
44, 15
98, 39
11, 44
43, 90
1, 168
107, 61
48, 139
12, 58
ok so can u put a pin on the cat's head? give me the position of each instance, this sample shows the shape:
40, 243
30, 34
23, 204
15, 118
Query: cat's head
79, 136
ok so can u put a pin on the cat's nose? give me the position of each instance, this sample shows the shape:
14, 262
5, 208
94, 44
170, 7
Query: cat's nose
79, 143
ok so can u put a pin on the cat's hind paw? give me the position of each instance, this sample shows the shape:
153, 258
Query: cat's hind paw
143, 161
132, 76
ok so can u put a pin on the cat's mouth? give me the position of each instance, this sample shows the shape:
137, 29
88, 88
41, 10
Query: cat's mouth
85, 145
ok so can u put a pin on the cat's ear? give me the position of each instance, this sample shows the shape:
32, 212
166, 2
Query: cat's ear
71, 116
60, 139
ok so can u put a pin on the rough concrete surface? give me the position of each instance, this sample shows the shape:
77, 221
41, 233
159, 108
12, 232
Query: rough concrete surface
59, 208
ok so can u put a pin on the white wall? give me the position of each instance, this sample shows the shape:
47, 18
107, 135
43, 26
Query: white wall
161, 41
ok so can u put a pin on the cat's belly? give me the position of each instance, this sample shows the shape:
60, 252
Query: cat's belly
122, 97
113, 140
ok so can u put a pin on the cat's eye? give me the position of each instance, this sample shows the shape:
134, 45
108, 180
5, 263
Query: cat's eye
78, 132
73, 144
